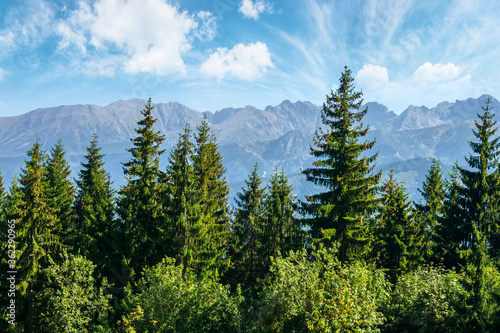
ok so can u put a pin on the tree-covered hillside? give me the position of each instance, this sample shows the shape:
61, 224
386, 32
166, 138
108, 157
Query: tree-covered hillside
167, 252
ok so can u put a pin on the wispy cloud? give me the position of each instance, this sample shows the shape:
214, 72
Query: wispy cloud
26, 25
3, 72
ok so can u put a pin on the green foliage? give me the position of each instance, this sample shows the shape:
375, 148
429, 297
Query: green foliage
184, 229
431, 210
427, 299
170, 301
282, 229
449, 231
480, 183
322, 295
92, 229
246, 249
75, 301
140, 205
339, 214
60, 189
211, 195
398, 237
36, 220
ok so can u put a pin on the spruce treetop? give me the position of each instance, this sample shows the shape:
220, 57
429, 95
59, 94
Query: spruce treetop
345, 170
146, 151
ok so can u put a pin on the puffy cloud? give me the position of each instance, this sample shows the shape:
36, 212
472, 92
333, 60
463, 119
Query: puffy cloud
428, 85
372, 76
437, 73
252, 10
152, 34
246, 62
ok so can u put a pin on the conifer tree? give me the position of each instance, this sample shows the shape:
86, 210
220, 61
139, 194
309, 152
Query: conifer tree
282, 229
450, 232
139, 204
398, 238
185, 230
60, 189
92, 234
246, 251
36, 224
480, 183
211, 195
342, 167
433, 192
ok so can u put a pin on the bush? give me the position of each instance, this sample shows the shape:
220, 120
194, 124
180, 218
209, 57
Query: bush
75, 301
171, 302
321, 295
428, 299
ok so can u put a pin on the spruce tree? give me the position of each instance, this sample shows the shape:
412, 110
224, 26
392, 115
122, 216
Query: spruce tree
247, 232
282, 228
36, 223
450, 231
185, 229
211, 195
342, 167
431, 210
139, 204
480, 183
398, 238
60, 189
93, 226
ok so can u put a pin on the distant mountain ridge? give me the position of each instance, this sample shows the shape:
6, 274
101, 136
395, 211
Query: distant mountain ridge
276, 136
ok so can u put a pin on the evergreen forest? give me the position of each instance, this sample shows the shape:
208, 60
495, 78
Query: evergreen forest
166, 252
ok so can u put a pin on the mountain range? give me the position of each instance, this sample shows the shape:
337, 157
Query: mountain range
277, 136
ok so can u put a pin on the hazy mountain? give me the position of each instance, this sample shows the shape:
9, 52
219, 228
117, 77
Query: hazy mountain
278, 136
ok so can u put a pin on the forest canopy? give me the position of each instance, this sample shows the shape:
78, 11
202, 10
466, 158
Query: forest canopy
168, 253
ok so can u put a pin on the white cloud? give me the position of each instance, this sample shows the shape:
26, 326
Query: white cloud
437, 73
98, 68
26, 25
252, 10
428, 85
246, 62
2, 73
152, 34
372, 76
207, 26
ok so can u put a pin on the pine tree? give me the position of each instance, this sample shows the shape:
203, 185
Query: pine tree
398, 238
211, 195
450, 231
92, 233
480, 184
339, 214
36, 238
60, 189
433, 193
139, 204
282, 229
247, 232
185, 229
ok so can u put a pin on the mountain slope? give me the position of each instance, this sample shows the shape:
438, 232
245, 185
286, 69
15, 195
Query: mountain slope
278, 136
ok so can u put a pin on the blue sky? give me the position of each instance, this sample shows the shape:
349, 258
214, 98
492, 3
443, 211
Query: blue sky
214, 54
